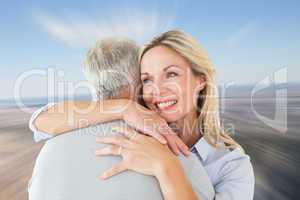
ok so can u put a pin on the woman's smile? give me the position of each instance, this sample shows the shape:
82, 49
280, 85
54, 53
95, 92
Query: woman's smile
164, 104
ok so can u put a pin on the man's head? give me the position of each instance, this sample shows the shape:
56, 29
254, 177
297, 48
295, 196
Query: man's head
111, 66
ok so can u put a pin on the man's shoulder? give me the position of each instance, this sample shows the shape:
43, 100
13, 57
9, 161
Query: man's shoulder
67, 165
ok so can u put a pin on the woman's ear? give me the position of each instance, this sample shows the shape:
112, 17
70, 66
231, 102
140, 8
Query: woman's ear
200, 85
201, 82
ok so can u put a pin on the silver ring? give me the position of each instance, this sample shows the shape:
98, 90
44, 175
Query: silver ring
132, 136
120, 150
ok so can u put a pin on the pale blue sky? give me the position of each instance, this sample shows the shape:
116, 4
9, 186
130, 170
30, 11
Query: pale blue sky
246, 40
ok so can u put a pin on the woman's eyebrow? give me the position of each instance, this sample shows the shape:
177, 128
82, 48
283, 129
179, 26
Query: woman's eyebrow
169, 67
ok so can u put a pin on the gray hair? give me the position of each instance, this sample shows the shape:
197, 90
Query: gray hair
112, 65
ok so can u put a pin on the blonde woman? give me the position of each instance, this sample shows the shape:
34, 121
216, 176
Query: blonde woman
178, 89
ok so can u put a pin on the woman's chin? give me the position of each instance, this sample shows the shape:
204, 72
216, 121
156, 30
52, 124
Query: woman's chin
170, 117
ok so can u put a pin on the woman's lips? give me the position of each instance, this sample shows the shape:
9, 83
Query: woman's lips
165, 105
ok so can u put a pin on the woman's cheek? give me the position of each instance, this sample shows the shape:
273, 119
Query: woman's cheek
147, 98
146, 94
186, 101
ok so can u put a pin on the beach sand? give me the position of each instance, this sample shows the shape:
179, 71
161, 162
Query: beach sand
18, 152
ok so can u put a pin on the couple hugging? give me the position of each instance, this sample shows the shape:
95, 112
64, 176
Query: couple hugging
153, 132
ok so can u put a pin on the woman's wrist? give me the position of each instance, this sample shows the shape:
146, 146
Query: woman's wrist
168, 168
174, 183
127, 106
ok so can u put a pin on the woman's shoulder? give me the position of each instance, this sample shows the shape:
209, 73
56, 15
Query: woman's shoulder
233, 164
210, 154
223, 159
231, 157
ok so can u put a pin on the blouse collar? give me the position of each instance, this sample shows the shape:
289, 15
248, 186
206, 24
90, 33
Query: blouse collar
203, 148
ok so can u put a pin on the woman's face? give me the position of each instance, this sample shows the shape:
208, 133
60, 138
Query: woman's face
169, 86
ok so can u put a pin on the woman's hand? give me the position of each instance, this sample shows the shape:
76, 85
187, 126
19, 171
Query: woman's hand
150, 123
140, 153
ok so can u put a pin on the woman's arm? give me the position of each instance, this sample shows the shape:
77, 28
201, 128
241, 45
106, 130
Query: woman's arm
69, 115
174, 184
145, 155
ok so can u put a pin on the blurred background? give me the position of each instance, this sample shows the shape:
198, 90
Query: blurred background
254, 46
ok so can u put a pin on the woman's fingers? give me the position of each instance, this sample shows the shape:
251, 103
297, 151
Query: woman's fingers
172, 144
128, 132
176, 144
155, 133
150, 129
116, 140
138, 116
116, 169
173, 139
112, 150
182, 147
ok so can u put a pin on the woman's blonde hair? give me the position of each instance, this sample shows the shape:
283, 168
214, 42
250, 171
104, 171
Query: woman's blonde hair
190, 49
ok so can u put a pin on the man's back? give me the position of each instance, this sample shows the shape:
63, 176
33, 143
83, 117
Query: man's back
67, 168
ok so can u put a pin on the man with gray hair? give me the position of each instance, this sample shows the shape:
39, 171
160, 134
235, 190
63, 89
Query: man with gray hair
67, 167
112, 68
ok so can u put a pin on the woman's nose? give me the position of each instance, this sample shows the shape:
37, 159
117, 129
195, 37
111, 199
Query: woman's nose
158, 88
151, 90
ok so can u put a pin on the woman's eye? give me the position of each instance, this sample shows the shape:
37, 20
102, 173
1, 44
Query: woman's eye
146, 80
171, 74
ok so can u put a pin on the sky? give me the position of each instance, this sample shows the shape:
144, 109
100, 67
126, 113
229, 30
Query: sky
246, 40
